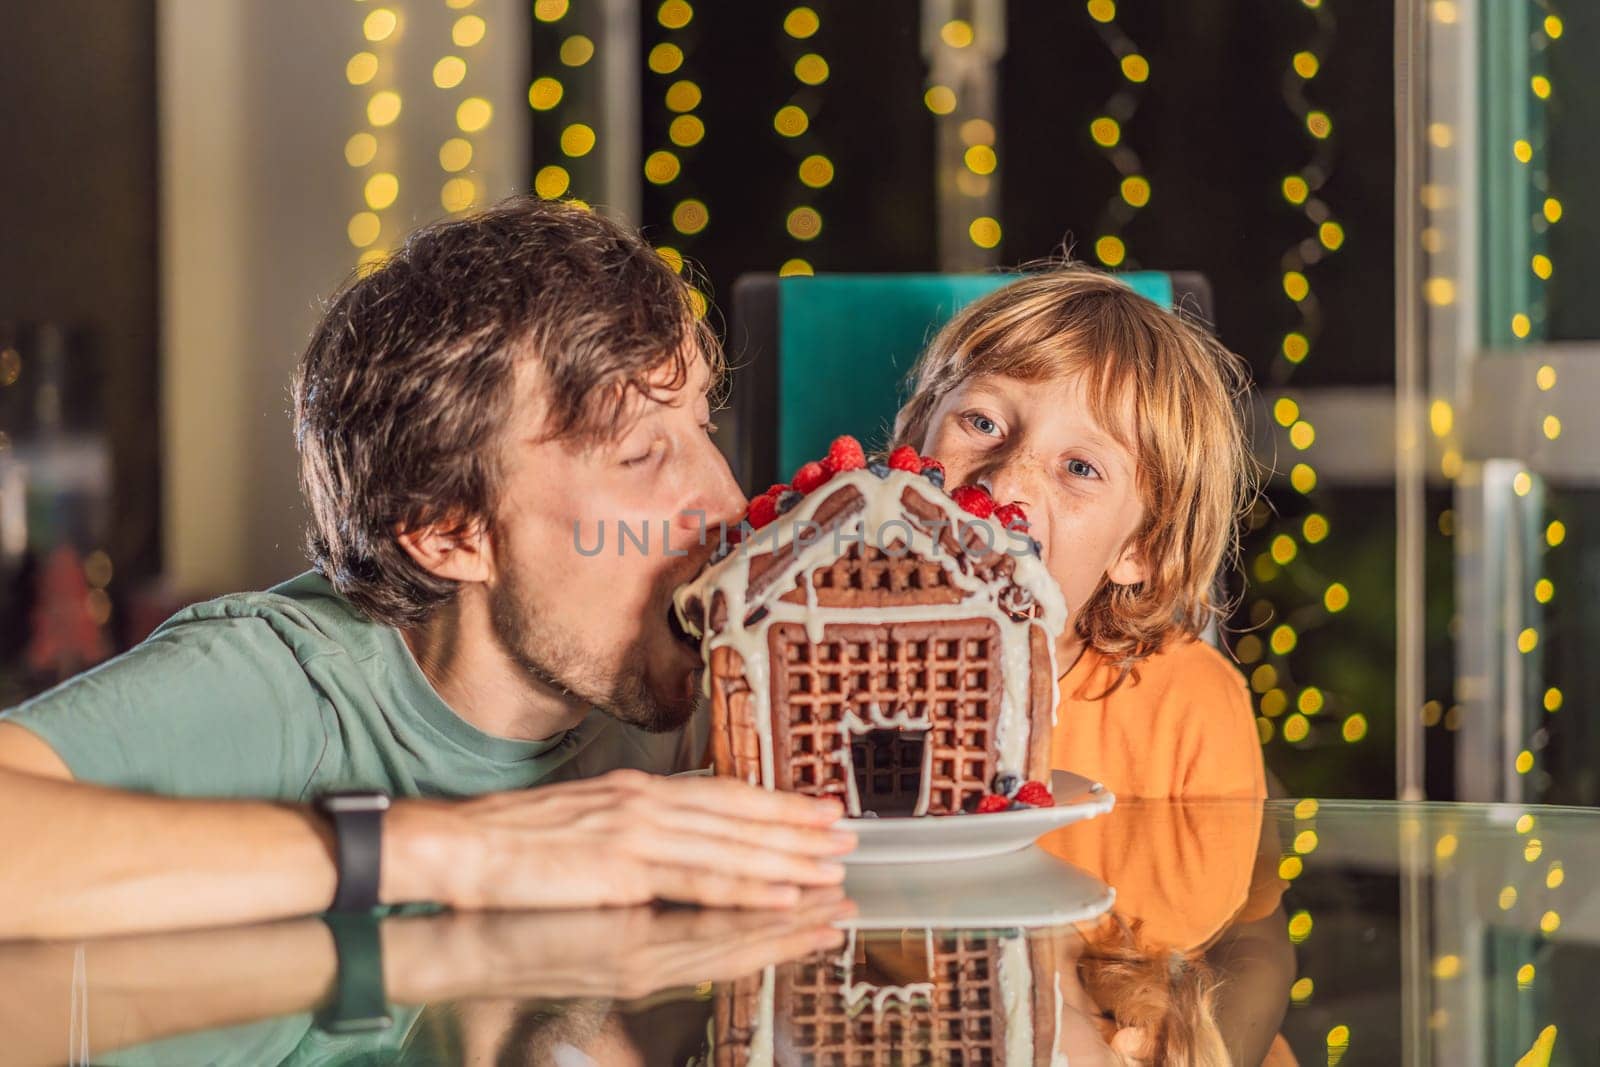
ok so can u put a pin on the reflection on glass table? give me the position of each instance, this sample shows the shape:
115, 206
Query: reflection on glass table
1199, 933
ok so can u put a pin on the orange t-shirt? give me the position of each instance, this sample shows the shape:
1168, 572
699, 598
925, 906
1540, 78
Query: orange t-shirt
1180, 725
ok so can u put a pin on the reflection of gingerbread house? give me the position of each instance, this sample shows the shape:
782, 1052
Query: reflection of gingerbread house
915, 996
879, 644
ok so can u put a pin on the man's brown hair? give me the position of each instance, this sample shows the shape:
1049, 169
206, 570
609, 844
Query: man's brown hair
1186, 392
402, 398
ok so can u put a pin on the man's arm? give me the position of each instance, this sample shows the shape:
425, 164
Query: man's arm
84, 859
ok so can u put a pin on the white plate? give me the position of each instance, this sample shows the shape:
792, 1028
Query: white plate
941, 838
1026, 888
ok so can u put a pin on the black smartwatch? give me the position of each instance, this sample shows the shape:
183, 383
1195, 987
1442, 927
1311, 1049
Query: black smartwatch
357, 819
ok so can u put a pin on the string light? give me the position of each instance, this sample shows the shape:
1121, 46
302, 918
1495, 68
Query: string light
371, 69
460, 190
1107, 131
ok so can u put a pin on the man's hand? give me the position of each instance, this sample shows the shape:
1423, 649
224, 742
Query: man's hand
623, 838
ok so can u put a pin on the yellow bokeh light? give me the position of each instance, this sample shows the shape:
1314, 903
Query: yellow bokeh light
672, 257
1314, 529
1305, 842
1110, 250
661, 167
793, 268
1306, 64
449, 72
473, 114
1522, 484
1265, 570
791, 121
455, 155
1263, 677
690, 216
957, 33
1553, 27
551, 181
1440, 135
980, 159
674, 14
811, 69
1525, 975
1552, 699
1527, 640
1303, 477
550, 10
1311, 700
1336, 598
1552, 427
1264, 729
683, 96
1290, 868
1296, 728
1525, 823
1302, 435
361, 69
977, 131
1533, 850
1331, 234
1284, 639
1274, 702
804, 223
1307, 808
1247, 648
816, 171
468, 31
544, 94
360, 149
801, 23
1319, 125
1524, 762
381, 190
1543, 590
1555, 533
370, 260
1508, 897
363, 228
1296, 347
1102, 10
458, 194
1441, 418
1135, 68
1106, 131
1550, 922
686, 131
984, 231
1522, 150
1301, 991
383, 108
1542, 266
1545, 378
940, 99
1295, 189
1136, 190
1283, 549
1552, 209
1556, 876
1300, 926
379, 24
456, 5
698, 304
1440, 292
1355, 727
1521, 325
1295, 286
1286, 411
1540, 86
665, 58
576, 50
1447, 967
577, 140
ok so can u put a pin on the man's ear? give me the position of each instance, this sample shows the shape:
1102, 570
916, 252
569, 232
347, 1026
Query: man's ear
462, 552
1129, 567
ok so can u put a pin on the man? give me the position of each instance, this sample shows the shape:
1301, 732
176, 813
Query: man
471, 417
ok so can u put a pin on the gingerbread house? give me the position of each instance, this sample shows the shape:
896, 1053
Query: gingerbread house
913, 996
882, 641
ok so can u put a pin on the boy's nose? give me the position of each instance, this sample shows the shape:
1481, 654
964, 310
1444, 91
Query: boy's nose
1008, 481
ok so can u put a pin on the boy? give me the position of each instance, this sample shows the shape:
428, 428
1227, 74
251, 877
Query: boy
1116, 426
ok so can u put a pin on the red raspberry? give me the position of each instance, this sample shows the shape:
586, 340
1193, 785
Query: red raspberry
777, 490
992, 802
973, 500
763, 509
1011, 516
905, 458
931, 464
811, 476
845, 455
1035, 795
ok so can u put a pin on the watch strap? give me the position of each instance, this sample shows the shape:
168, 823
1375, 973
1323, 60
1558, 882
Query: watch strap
359, 1003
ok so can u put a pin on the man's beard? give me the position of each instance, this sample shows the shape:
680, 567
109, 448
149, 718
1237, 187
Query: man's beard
551, 657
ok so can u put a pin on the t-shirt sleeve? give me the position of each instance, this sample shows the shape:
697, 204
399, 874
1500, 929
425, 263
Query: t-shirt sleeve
208, 707
1220, 752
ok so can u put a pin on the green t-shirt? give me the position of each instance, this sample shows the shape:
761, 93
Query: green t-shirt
291, 693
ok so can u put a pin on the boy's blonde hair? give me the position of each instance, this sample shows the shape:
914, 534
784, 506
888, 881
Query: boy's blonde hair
1185, 391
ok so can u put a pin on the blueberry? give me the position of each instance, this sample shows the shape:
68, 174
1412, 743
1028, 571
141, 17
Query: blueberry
879, 467
934, 475
788, 499
1017, 805
1005, 784
1038, 549
970, 804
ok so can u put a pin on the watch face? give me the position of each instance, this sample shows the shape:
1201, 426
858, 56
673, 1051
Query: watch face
339, 803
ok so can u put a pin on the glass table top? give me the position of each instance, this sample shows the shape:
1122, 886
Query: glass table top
1294, 932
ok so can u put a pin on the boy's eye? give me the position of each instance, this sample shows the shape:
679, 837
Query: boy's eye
983, 424
1079, 469
644, 457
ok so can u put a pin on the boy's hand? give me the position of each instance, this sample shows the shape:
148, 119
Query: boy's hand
623, 838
